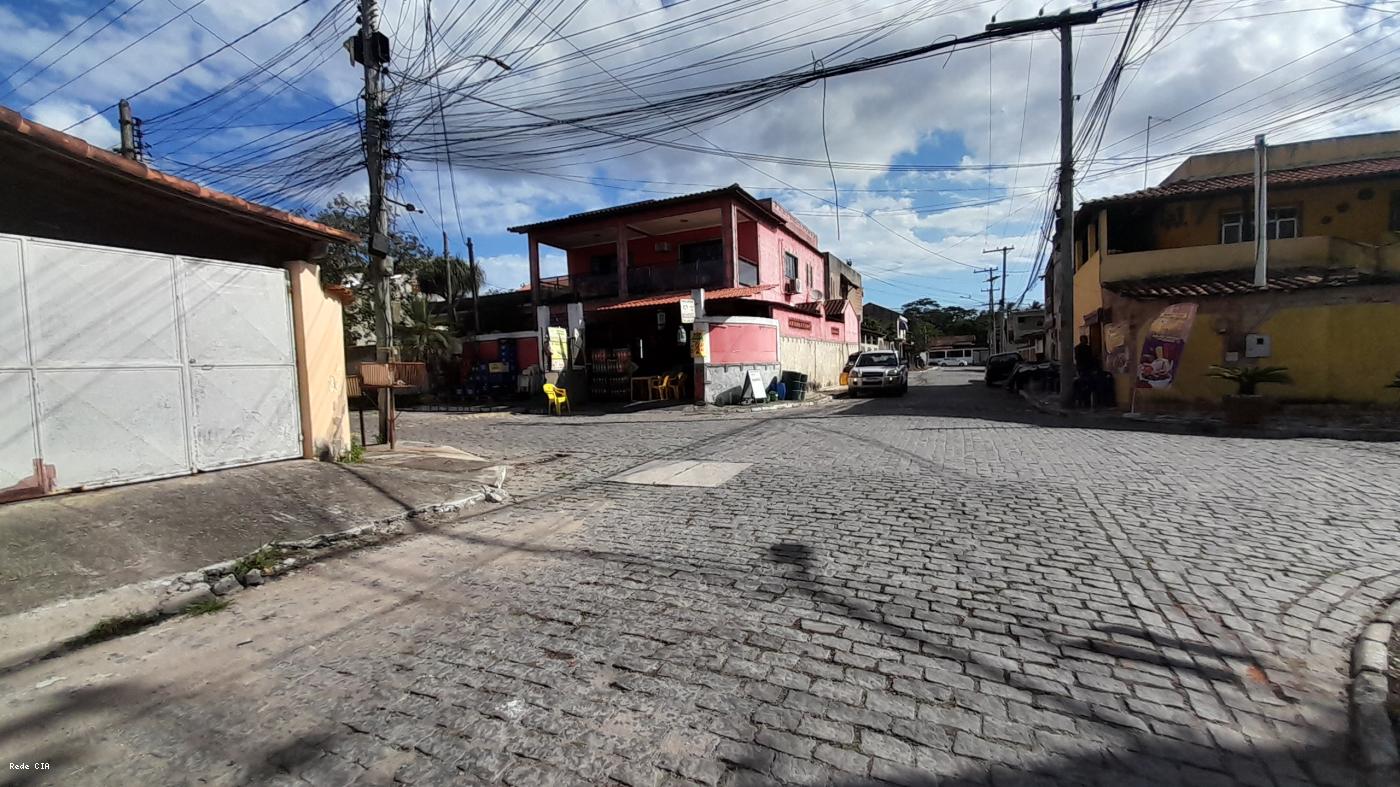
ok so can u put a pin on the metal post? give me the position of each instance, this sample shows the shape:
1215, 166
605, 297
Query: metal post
128, 148
1064, 270
1261, 212
476, 286
1147, 149
991, 309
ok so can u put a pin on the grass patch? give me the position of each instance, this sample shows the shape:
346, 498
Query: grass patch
262, 560
207, 606
355, 455
111, 628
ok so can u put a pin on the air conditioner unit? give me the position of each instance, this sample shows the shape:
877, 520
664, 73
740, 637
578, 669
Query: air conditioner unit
793, 286
662, 246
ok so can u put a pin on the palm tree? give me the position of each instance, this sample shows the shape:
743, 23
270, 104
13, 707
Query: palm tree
422, 333
451, 278
1248, 378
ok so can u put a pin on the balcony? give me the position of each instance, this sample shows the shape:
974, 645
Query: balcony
578, 288
1316, 251
670, 278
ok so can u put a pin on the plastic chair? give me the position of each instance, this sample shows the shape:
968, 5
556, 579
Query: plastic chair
676, 389
659, 387
558, 399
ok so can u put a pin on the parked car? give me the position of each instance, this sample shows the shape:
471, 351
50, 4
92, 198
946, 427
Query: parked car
953, 362
1000, 367
846, 370
878, 371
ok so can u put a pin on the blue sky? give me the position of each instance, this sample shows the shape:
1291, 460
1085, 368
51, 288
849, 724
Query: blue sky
1225, 71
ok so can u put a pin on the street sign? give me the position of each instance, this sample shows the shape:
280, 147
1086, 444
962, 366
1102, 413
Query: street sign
753, 386
687, 310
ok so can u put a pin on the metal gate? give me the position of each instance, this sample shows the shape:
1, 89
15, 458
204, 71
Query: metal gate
120, 366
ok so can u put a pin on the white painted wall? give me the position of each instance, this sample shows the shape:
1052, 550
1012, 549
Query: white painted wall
820, 361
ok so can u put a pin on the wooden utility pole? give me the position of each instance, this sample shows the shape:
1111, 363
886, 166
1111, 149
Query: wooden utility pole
1000, 344
475, 283
128, 130
1064, 262
371, 50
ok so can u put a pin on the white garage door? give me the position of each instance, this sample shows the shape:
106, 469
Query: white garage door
118, 366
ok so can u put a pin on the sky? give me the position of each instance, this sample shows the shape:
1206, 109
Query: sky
934, 161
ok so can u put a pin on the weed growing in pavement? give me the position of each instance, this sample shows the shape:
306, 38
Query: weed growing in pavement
262, 560
207, 606
111, 628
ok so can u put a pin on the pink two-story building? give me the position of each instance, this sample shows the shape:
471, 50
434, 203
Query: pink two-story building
763, 307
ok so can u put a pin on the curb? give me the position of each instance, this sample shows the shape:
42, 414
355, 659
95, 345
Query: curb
1371, 729
165, 597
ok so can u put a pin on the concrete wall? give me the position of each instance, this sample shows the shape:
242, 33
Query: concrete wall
1338, 344
821, 361
740, 343
724, 382
320, 343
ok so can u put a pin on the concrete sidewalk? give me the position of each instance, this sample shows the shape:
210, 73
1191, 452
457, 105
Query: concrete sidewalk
80, 544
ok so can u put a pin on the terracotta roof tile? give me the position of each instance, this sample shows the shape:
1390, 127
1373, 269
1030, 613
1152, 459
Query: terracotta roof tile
1286, 177
76, 149
1241, 282
675, 297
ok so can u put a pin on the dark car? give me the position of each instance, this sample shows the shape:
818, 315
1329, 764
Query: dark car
1000, 367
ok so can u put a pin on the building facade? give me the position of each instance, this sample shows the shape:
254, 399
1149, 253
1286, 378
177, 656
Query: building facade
1181, 256
764, 299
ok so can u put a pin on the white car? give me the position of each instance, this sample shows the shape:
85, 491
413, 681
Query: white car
953, 362
877, 372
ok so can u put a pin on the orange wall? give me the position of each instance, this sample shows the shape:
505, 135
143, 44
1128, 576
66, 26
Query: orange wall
1337, 210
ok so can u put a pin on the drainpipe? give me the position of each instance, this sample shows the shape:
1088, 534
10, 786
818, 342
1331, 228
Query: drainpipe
1261, 212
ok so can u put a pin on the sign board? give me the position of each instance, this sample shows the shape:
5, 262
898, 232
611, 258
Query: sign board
699, 343
687, 311
558, 348
496, 367
1165, 343
754, 387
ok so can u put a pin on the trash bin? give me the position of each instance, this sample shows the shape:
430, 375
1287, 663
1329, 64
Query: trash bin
797, 391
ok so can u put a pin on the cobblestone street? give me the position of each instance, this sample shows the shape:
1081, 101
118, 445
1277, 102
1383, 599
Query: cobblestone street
947, 588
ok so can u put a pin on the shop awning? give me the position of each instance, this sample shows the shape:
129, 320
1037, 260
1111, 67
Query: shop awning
652, 301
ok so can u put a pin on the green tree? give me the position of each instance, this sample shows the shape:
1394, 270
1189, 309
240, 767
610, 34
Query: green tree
422, 335
467, 278
928, 319
347, 264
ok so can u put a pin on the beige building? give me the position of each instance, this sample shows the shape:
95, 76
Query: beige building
150, 327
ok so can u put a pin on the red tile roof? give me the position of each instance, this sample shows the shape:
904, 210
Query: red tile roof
11, 122
1346, 170
1241, 282
675, 297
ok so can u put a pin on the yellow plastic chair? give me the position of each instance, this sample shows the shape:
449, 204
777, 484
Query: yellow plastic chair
659, 388
676, 390
558, 399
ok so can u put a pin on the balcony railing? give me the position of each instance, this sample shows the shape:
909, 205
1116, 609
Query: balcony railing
1318, 251
578, 288
669, 278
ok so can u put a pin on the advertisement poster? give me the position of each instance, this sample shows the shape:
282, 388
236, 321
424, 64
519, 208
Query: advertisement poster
699, 343
1116, 359
558, 348
1166, 340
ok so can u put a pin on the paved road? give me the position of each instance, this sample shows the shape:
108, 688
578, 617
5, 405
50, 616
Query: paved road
945, 588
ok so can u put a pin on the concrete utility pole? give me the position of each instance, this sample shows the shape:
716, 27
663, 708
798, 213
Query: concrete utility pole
1261, 212
1000, 345
128, 129
1064, 264
451, 297
370, 49
991, 310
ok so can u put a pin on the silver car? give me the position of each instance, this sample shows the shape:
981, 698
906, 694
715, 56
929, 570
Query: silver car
878, 372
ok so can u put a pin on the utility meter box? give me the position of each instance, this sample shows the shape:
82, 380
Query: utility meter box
1258, 345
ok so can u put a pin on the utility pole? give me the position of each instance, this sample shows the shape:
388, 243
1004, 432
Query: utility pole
451, 296
1064, 264
991, 312
1261, 212
476, 285
128, 129
1147, 149
1000, 345
371, 49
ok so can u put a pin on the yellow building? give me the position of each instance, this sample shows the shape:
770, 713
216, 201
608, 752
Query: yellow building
1330, 312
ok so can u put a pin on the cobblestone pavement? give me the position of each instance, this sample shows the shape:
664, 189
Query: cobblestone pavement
942, 589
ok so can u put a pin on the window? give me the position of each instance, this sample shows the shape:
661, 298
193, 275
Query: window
1395, 211
809, 277
790, 265
1239, 227
711, 251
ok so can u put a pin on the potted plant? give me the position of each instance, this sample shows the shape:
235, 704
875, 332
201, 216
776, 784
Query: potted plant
1245, 407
